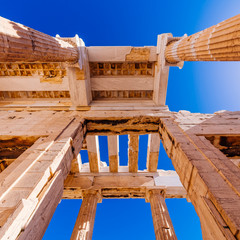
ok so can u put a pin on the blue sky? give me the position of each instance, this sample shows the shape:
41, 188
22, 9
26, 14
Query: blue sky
198, 87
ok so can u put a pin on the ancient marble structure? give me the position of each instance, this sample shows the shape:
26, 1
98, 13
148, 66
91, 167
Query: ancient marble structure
57, 96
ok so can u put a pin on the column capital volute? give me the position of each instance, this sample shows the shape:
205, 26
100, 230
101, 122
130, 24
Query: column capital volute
154, 191
96, 193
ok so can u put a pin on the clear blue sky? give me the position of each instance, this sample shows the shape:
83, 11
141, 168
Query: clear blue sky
198, 87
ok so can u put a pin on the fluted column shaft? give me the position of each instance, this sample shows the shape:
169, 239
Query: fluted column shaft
83, 228
217, 43
19, 43
161, 220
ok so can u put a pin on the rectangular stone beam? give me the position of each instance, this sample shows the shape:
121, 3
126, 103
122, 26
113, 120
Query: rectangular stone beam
153, 152
120, 126
133, 142
195, 165
76, 164
48, 201
161, 72
122, 54
32, 189
113, 148
79, 81
116, 83
123, 185
39, 81
93, 153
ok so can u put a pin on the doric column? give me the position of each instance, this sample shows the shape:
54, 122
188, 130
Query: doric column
161, 220
217, 43
19, 43
83, 228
